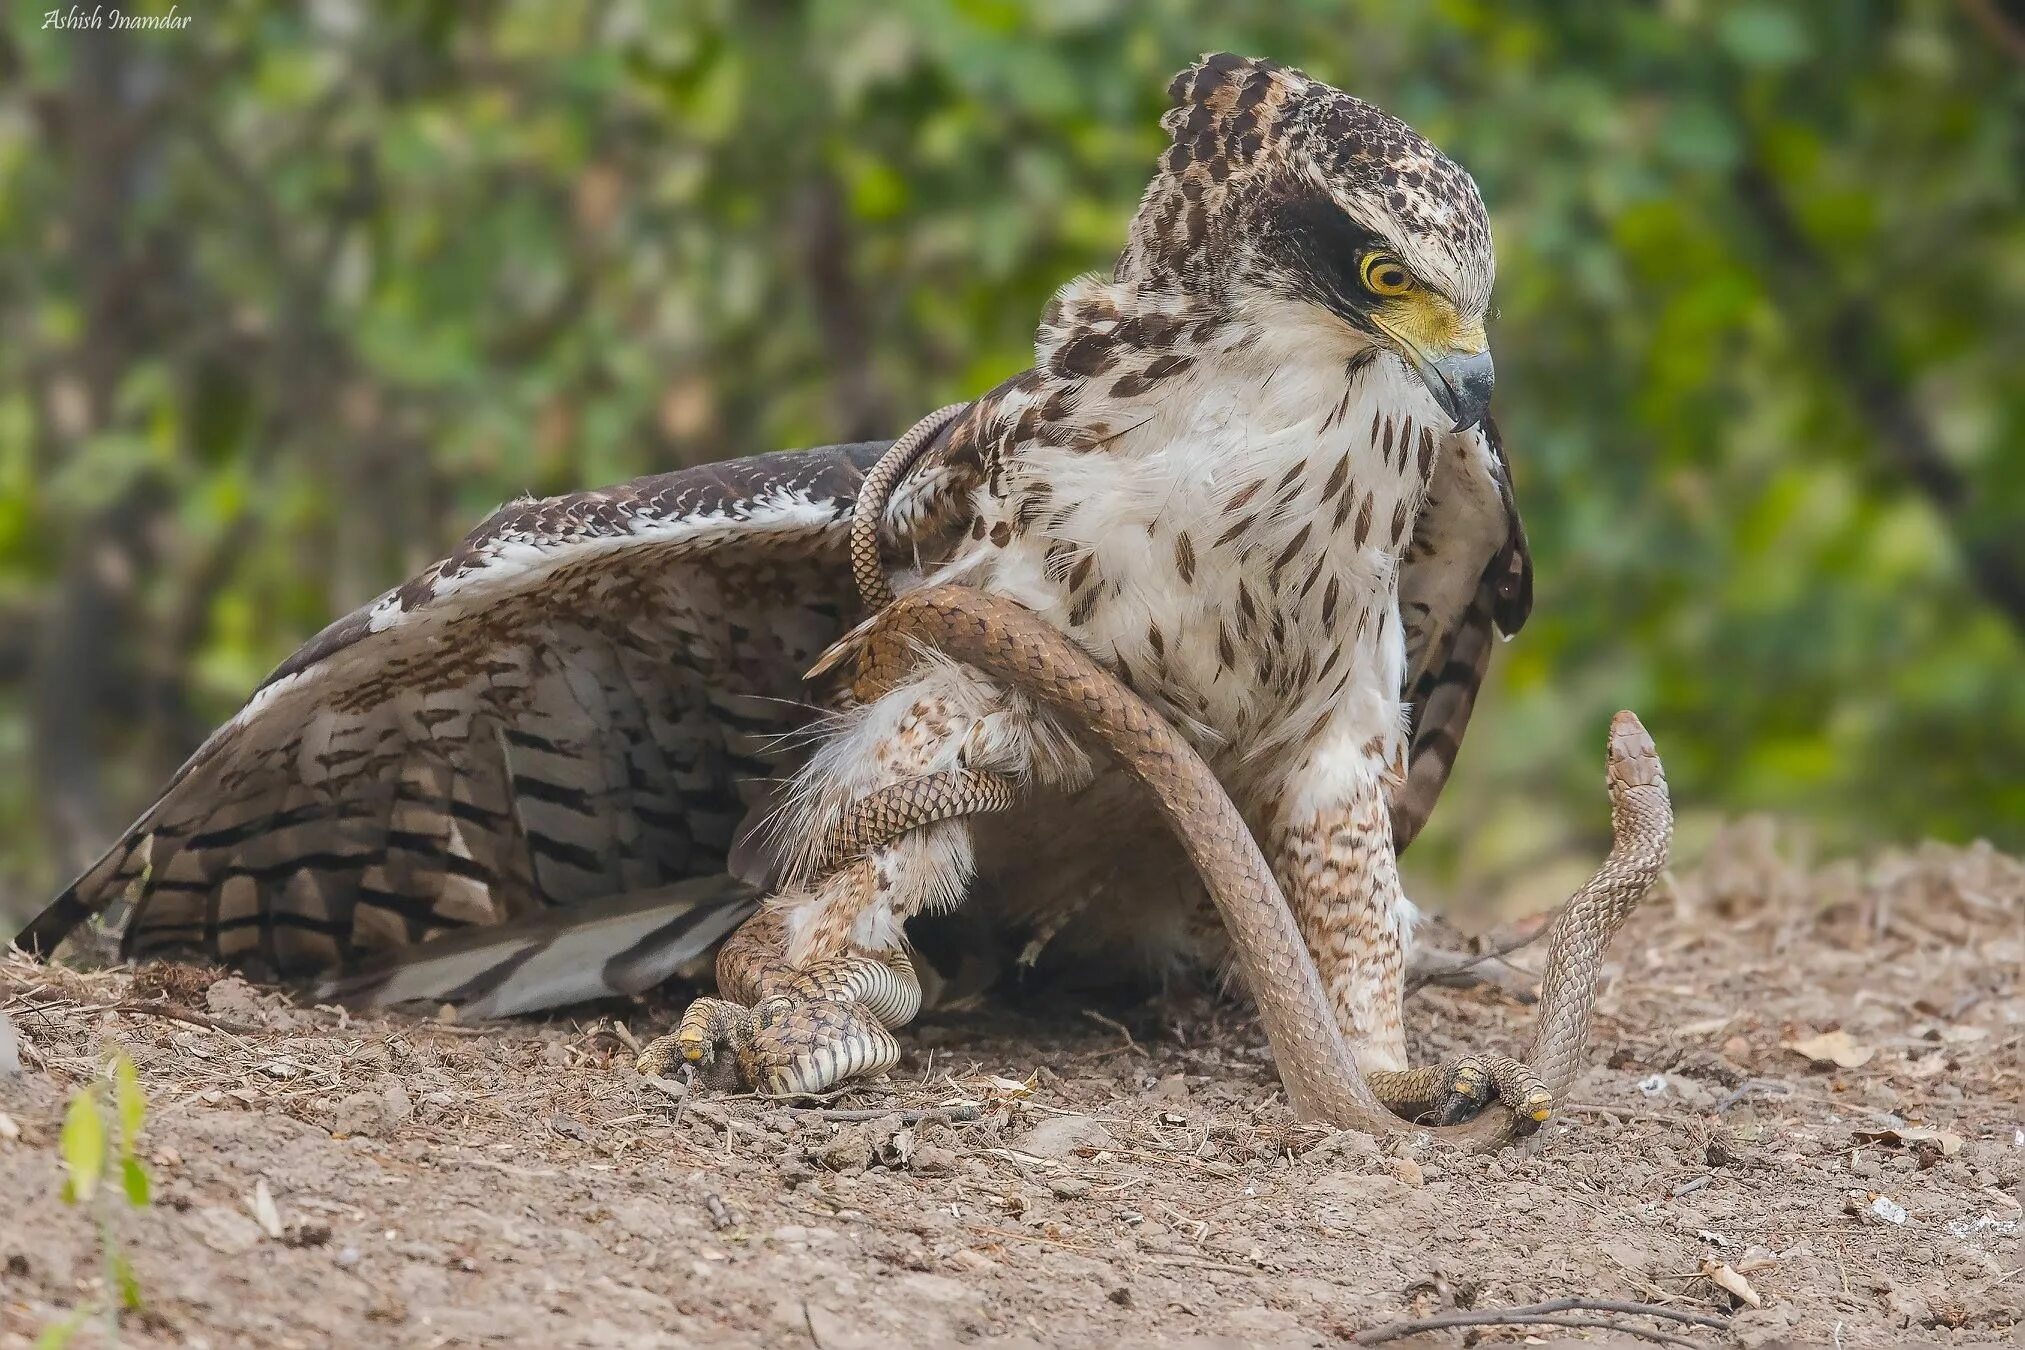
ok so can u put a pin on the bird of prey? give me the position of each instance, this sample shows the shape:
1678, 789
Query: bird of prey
1251, 472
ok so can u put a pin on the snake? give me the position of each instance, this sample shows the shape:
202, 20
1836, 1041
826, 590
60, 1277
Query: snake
868, 568
1013, 645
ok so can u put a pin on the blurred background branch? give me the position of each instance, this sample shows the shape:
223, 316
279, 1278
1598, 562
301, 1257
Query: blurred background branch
295, 295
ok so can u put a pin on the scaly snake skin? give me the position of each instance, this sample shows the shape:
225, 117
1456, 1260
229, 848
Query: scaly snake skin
883, 816
1015, 646
868, 569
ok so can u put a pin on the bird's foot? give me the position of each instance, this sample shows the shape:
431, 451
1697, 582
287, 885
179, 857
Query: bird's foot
1457, 1091
810, 1031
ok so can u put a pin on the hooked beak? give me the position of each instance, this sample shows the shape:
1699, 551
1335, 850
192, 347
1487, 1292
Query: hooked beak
1459, 380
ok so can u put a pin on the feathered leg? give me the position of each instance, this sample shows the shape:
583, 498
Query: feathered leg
1329, 838
824, 965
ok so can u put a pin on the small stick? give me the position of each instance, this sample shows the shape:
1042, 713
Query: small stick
1541, 1314
175, 1014
1116, 1026
956, 1114
1750, 1085
1429, 964
1190, 1261
1618, 1113
1398, 1329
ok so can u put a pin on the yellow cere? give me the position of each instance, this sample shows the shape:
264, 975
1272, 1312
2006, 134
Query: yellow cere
1427, 322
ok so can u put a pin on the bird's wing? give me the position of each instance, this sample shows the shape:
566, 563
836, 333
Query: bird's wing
622, 944
1467, 572
581, 702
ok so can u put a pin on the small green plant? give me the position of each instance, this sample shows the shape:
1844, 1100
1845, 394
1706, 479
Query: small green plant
92, 1152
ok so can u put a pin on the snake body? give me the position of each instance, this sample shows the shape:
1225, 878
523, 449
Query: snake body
1323, 1083
868, 569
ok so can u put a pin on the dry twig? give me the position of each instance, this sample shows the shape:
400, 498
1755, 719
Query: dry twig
958, 1113
1116, 1026
1432, 965
1545, 1314
176, 1014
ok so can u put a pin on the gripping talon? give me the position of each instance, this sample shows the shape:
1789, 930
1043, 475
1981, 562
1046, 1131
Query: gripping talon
1458, 1091
884, 984
798, 1049
790, 1044
1470, 1089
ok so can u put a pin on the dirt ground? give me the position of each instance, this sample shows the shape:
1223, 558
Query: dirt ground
1122, 1176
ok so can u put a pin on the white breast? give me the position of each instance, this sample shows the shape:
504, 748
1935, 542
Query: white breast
1235, 554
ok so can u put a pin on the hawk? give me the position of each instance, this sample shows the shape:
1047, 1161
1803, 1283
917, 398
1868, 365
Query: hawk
1251, 472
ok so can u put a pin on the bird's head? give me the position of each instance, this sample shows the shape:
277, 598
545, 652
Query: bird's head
1279, 190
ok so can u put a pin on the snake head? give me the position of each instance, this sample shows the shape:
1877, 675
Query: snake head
1633, 759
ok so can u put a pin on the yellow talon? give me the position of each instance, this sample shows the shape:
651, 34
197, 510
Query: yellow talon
656, 1057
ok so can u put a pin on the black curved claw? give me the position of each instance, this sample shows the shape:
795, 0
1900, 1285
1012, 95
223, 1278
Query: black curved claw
1470, 1089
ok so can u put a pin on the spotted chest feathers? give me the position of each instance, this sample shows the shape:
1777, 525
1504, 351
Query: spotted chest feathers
1225, 537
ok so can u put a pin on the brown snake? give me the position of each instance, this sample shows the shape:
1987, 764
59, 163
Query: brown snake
868, 570
1015, 646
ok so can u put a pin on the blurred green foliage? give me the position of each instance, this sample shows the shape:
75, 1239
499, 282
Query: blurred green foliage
294, 295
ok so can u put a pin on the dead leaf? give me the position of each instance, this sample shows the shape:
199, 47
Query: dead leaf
1720, 1273
1834, 1047
264, 1211
1947, 1141
1707, 1026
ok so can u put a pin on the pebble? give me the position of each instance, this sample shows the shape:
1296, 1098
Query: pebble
225, 1230
1406, 1170
357, 1114
848, 1151
233, 997
1061, 1136
794, 1234
395, 1104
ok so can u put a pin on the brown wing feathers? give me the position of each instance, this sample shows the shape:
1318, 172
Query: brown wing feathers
1454, 602
559, 711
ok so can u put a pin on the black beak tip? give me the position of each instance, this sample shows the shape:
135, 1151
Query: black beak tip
1465, 392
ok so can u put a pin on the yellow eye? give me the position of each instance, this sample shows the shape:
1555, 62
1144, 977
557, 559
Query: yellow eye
1385, 275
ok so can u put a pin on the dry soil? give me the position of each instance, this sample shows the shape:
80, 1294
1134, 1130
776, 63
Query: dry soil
1127, 1175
